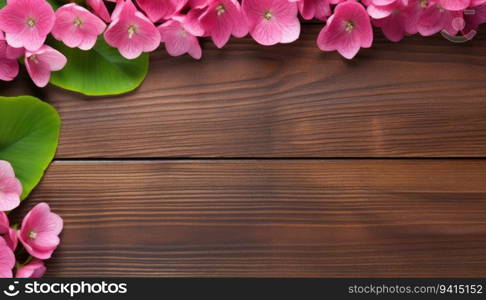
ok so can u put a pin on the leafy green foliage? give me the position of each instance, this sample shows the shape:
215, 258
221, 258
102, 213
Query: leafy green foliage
100, 71
29, 133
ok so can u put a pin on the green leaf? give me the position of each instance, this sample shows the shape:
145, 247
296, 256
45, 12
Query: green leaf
29, 134
3, 3
99, 71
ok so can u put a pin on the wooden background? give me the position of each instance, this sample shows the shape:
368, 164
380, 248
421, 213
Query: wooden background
281, 161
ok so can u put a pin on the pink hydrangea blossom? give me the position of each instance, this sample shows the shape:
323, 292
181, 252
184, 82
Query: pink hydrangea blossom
474, 20
42, 62
26, 23
8, 234
10, 187
272, 21
40, 231
347, 30
454, 5
392, 20
7, 260
319, 9
77, 27
99, 7
223, 18
11, 52
435, 19
131, 32
158, 10
179, 38
34, 269
9, 67
179, 24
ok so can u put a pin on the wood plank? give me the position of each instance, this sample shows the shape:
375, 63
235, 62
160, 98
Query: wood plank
268, 218
422, 97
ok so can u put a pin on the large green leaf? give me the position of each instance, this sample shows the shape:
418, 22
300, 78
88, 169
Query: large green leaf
100, 71
29, 133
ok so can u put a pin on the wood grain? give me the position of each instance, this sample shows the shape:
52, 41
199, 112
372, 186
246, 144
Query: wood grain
423, 97
268, 218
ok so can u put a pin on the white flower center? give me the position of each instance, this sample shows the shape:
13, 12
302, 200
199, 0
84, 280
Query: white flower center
33, 58
132, 30
267, 15
220, 9
78, 22
30, 22
32, 234
349, 26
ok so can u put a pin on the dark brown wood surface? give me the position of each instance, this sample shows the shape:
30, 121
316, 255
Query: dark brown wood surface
420, 97
209, 168
269, 218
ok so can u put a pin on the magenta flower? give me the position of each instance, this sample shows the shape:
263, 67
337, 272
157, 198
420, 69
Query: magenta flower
310, 9
100, 9
27, 23
158, 10
11, 52
179, 38
10, 187
7, 260
347, 30
392, 19
435, 18
131, 32
8, 234
272, 21
223, 18
455, 5
42, 62
34, 269
40, 230
9, 67
474, 20
77, 27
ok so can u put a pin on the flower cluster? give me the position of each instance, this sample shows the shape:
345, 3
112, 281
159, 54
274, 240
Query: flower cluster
141, 26
38, 233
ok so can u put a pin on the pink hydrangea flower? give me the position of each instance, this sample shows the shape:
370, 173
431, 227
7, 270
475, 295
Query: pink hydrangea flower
40, 231
131, 32
34, 269
455, 5
42, 62
179, 38
77, 27
158, 10
272, 21
9, 67
414, 11
392, 19
435, 18
99, 7
223, 18
10, 187
8, 234
11, 52
26, 23
310, 9
7, 260
474, 20
347, 30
